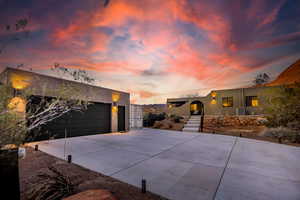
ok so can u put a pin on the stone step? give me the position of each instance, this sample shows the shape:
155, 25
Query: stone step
191, 129
194, 122
196, 127
195, 117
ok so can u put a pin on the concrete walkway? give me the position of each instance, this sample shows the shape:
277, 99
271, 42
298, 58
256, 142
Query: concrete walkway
182, 165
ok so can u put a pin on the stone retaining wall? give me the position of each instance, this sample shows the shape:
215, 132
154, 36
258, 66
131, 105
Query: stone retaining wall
233, 120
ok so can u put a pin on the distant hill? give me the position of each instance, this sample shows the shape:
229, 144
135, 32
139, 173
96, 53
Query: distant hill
154, 108
288, 76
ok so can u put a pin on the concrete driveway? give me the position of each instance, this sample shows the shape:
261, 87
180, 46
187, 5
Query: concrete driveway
189, 166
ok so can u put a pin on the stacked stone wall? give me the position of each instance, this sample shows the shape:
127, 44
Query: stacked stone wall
233, 120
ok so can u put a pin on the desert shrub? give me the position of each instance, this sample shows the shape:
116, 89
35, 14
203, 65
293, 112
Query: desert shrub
52, 186
283, 113
150, 119
283, 133
294, 125
285, 107
176, 118
157, 124
172, 115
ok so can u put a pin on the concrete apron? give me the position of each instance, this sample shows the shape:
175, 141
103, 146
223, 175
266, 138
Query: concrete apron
190, 166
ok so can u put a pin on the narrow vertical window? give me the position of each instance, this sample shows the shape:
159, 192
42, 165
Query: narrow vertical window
227, 101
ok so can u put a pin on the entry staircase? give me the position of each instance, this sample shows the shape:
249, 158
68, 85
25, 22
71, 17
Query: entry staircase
193, 124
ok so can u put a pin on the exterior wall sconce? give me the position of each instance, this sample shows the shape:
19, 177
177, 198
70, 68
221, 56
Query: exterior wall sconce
214, 100
17, 104
20, 81
114, 107
115, 97
213, 94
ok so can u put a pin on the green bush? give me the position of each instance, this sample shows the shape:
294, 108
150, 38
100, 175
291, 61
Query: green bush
284, 109
283, 113
150, 119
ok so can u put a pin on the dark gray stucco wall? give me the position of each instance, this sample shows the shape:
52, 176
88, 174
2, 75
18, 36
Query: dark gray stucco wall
39, 84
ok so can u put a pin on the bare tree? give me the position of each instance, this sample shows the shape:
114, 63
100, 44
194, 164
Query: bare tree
261, 79
14, 126
76, 74
19, 26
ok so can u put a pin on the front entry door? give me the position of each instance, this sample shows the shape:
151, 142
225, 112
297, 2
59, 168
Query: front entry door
121, 118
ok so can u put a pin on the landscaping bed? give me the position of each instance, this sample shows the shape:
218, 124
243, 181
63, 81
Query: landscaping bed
37, 162
168, 125
246, 132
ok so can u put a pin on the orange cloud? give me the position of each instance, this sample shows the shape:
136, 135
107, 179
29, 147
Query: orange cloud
146, 94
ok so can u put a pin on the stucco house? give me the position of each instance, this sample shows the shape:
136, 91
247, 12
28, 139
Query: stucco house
240, 102
108, 111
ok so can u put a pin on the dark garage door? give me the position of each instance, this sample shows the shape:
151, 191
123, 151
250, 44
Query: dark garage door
96, 119
121, 118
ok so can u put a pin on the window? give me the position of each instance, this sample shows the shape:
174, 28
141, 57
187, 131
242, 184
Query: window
251, 101
227, 101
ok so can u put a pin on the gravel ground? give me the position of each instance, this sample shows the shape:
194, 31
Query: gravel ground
37, 162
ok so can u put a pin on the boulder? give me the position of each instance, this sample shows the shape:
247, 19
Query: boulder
92, 195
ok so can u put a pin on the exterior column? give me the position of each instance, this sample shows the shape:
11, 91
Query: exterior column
114, 118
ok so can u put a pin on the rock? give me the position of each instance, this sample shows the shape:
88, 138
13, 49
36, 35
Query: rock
91, 184
92, 195
261, 120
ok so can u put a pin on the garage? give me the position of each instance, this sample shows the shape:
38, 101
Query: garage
108, 111
96, 119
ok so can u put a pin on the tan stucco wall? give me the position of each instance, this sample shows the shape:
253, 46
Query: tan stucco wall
183, 110
45, 85
239, 96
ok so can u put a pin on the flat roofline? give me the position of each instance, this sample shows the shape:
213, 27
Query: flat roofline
183, 98
61, 79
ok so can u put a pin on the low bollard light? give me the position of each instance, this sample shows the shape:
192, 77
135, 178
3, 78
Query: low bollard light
69, 158
36, 147
143, 186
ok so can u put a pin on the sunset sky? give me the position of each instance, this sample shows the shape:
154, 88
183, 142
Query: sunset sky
155, 49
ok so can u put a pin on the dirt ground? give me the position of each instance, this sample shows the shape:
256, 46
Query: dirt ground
247, 132
36, 162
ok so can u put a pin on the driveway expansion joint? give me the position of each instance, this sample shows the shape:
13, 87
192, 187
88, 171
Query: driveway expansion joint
225, 167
